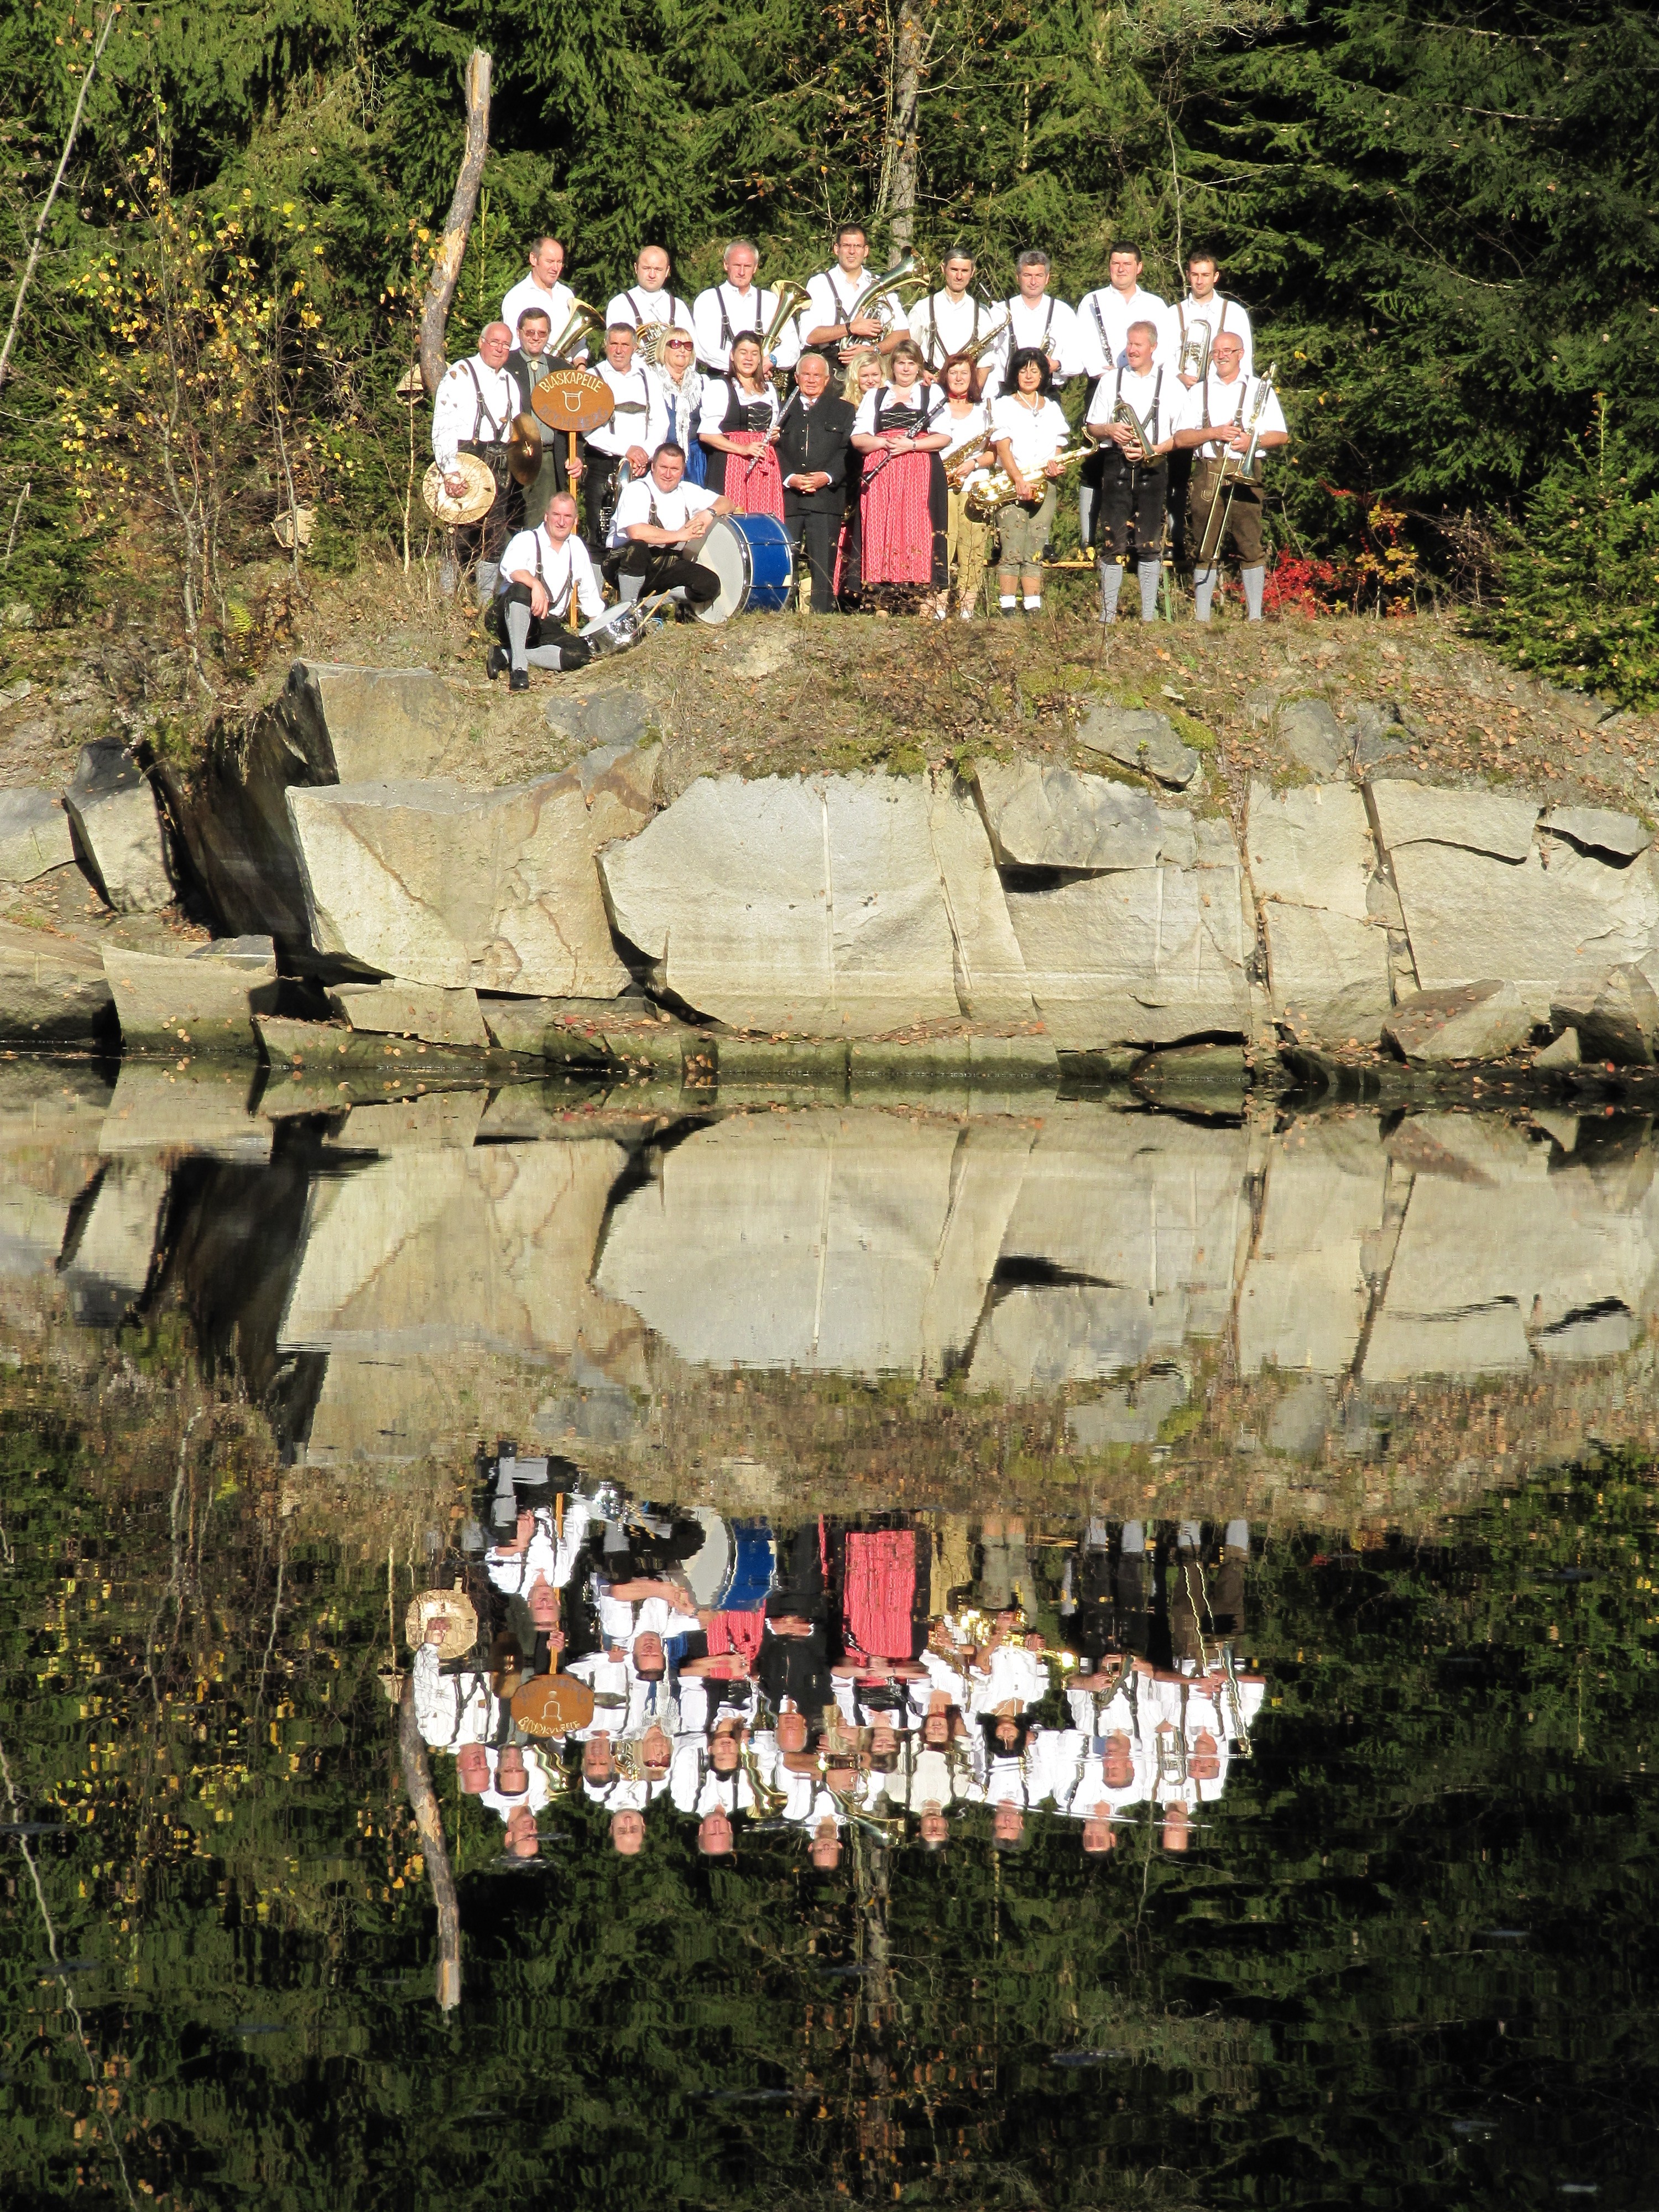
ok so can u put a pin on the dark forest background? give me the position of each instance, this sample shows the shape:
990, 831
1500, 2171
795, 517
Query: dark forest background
1444, 216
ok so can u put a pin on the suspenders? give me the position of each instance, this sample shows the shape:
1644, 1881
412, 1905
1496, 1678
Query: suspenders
483, 412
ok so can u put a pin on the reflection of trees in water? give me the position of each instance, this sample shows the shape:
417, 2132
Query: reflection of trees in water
1445, 1827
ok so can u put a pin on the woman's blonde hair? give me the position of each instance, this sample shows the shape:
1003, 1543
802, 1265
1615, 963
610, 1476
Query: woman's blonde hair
850, 388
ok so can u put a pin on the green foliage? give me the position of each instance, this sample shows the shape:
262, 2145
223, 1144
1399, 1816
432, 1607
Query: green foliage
1579, 582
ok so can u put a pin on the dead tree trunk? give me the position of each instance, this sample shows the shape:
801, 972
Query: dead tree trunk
447, 268
907, 91
417, 1781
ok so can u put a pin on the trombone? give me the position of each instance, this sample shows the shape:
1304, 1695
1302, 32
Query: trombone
1236, 469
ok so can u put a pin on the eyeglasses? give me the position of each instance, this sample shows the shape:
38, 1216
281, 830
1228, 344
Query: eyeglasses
679, 346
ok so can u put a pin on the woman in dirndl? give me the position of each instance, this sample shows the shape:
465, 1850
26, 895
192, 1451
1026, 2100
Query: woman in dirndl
862, 372
902, 512
738, 427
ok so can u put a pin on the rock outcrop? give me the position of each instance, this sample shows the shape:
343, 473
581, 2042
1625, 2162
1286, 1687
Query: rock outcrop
118, 830
411, 1010
1614, 1011
1474, 1021
1312, 864
52, 990
196, 1002
34, 835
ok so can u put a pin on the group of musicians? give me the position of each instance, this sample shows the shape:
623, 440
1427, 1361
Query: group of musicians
892, 440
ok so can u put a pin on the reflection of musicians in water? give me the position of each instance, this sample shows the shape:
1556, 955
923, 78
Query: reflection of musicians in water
839, 1698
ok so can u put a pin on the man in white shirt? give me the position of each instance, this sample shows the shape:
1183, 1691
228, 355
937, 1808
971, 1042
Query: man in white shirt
1104, 318
1220, 419
648, 299
638, 425
550, 579
1134, 476
452, 1710
473, 413
541, 288
737, 304
660, 521
827, 322
1189, 344
1035, 319
950, 320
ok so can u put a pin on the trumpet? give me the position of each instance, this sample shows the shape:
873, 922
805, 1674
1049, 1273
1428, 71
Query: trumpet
998, 488
880, 296
791, 298
584, 321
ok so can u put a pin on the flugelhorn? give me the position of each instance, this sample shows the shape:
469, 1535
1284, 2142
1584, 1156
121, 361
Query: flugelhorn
879, 297
1137, 451
584, 321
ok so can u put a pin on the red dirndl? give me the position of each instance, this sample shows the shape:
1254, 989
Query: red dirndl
896, 521
880, 1590
756, 489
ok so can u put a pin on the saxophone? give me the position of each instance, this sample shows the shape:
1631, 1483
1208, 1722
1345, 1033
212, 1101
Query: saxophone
998, 488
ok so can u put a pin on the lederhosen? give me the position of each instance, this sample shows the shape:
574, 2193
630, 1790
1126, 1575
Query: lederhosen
599, 472
662, 568
490, 533
1243, 518
553, 627
1133, 492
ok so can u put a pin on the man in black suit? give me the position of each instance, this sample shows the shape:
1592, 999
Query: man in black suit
812, 449
528, 362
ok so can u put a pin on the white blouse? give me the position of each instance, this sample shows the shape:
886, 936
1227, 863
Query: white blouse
1037, 435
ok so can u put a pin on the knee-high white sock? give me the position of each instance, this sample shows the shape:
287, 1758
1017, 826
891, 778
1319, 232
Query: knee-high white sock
543, 656
1111, 583
518, 631
1149, 573
1204, 583
1252, 579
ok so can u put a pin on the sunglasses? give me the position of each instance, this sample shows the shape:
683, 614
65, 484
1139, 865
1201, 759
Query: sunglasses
679, 346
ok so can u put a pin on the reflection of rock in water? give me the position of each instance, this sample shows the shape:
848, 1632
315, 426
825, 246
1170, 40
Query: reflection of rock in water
1142, 1218
413, 1265
1305, 1291
858, 1240
110, 1243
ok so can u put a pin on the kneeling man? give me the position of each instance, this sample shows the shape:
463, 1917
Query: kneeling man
550, 578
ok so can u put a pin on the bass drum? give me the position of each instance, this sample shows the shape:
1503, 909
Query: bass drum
751, 555
732, 1572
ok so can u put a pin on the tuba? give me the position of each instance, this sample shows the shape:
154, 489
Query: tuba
791, 298
583, 323
1194, 360
880, 295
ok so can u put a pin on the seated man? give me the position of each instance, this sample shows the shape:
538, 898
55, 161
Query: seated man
550, 578
659, 523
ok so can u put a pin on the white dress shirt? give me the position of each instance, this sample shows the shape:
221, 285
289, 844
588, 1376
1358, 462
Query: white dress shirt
475, 405
1213, 403
559, 566
637, 307
621, 1619
640, 419
1036, 433
547, 1554
743, 311
696, 1788
1221, 314
558, 305
1050, 325
1104, 318
1076, 1775
1159, 400
535, 1795
643, 501
1010, 1672
450, 1710
942, 325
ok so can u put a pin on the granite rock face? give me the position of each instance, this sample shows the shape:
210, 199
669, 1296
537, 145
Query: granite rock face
811, 905
1329, 975
117, 829
497, 889
1140, 737
1615, 1012
991, 982
201, 1002
413, 1010
1494, 821
1475, 1021
330, 725
1312, 868
1311, 734
53, 989
34, 835
1050, 817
